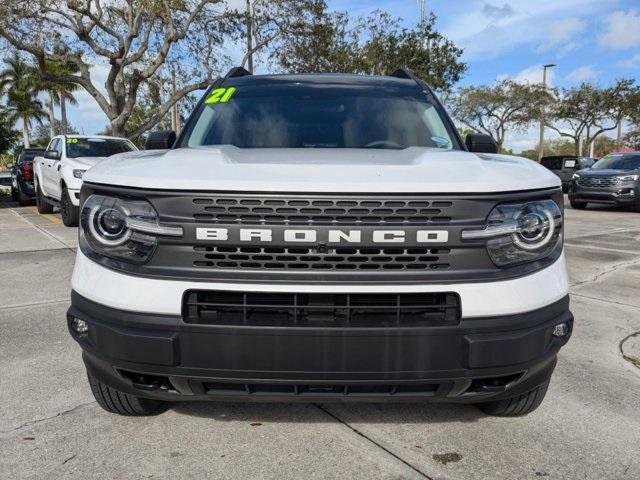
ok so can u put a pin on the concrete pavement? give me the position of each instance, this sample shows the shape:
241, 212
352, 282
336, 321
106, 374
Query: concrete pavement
588, 426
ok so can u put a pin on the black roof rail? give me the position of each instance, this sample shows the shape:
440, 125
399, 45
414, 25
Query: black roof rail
409, 75
403, 73
237, 72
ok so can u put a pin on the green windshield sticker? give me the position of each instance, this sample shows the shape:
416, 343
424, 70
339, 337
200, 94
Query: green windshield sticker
72, 140
220, 95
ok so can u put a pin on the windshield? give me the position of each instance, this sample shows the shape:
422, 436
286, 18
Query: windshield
97, 147
618, 161
587, 162
316, 116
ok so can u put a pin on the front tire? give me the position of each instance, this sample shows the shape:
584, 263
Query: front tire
517, 406
68, 211
578, 205
115, 401
41, 203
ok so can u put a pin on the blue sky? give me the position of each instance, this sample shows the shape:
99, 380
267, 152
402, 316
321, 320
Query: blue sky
590, 40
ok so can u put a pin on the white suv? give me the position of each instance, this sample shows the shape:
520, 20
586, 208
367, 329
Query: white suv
320, 238
58, 174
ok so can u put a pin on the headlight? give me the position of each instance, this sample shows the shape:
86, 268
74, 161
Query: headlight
521, 232
628, 178
121, 229
575, 176
78, 173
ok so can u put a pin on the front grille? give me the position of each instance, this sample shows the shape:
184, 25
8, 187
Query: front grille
598, 182
225, 257
329, 390
278, 258
253, 210
321, 310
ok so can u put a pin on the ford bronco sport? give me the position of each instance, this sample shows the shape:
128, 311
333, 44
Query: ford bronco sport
320, 238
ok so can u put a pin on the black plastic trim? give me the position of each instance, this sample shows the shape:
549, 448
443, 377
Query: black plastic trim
456, 358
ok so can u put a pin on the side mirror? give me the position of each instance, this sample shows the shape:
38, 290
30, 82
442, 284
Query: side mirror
480, 143
160, 140
52, 155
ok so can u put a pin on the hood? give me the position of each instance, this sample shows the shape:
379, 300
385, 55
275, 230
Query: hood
606, 172
87, 162
411, 170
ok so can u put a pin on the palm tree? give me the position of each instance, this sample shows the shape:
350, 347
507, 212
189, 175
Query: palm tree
61, 93
18, 81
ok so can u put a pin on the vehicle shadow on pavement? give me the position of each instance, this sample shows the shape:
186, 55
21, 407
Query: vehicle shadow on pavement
352, 412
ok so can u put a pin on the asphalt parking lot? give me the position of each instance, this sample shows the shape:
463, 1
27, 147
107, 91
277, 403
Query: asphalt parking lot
588, 426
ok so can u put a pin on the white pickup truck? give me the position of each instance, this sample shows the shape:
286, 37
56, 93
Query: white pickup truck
58, 174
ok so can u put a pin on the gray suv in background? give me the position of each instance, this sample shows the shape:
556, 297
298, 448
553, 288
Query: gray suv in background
614, 180
565, 166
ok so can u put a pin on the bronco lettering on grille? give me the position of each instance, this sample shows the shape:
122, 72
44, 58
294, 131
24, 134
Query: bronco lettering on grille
332, 237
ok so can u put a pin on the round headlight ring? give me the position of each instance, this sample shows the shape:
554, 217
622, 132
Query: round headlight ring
542, 238
100, 231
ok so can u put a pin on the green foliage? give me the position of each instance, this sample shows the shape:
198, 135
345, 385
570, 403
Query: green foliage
20, 82
494, 110
556, 146
587, 111
8, 136
324, 41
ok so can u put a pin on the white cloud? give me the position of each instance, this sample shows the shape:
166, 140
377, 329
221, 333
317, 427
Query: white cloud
566, 49
560, 33
87, 116
497, 11
484, 34
531, 75
622, 30
633, 62
586, 73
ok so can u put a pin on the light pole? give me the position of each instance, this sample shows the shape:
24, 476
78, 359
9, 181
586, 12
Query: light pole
544, 85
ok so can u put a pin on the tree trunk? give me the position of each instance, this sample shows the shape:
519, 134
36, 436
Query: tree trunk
63, 115
117, 130
619, 135
249, 37
52, 117
579, 142
25, 132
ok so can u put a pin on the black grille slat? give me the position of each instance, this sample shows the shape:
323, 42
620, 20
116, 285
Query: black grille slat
321, 310
333, 259
295, 211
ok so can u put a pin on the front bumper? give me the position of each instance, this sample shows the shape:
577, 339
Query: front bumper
624, 194
162, 357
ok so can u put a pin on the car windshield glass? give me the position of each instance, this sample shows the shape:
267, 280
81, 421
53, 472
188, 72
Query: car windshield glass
587, 162
97, 147
618, 162
317, 116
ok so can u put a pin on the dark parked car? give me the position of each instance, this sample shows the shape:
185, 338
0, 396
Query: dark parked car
22, 189
614, 179
5, 181
565, 166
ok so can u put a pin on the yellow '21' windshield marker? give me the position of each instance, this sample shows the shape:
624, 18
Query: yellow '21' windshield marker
220, 95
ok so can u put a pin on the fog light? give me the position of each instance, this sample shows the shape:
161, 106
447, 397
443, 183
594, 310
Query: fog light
79, 326
561, 330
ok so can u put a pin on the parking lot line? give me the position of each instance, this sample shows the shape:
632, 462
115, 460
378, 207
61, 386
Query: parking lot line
605, 249
49, 216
